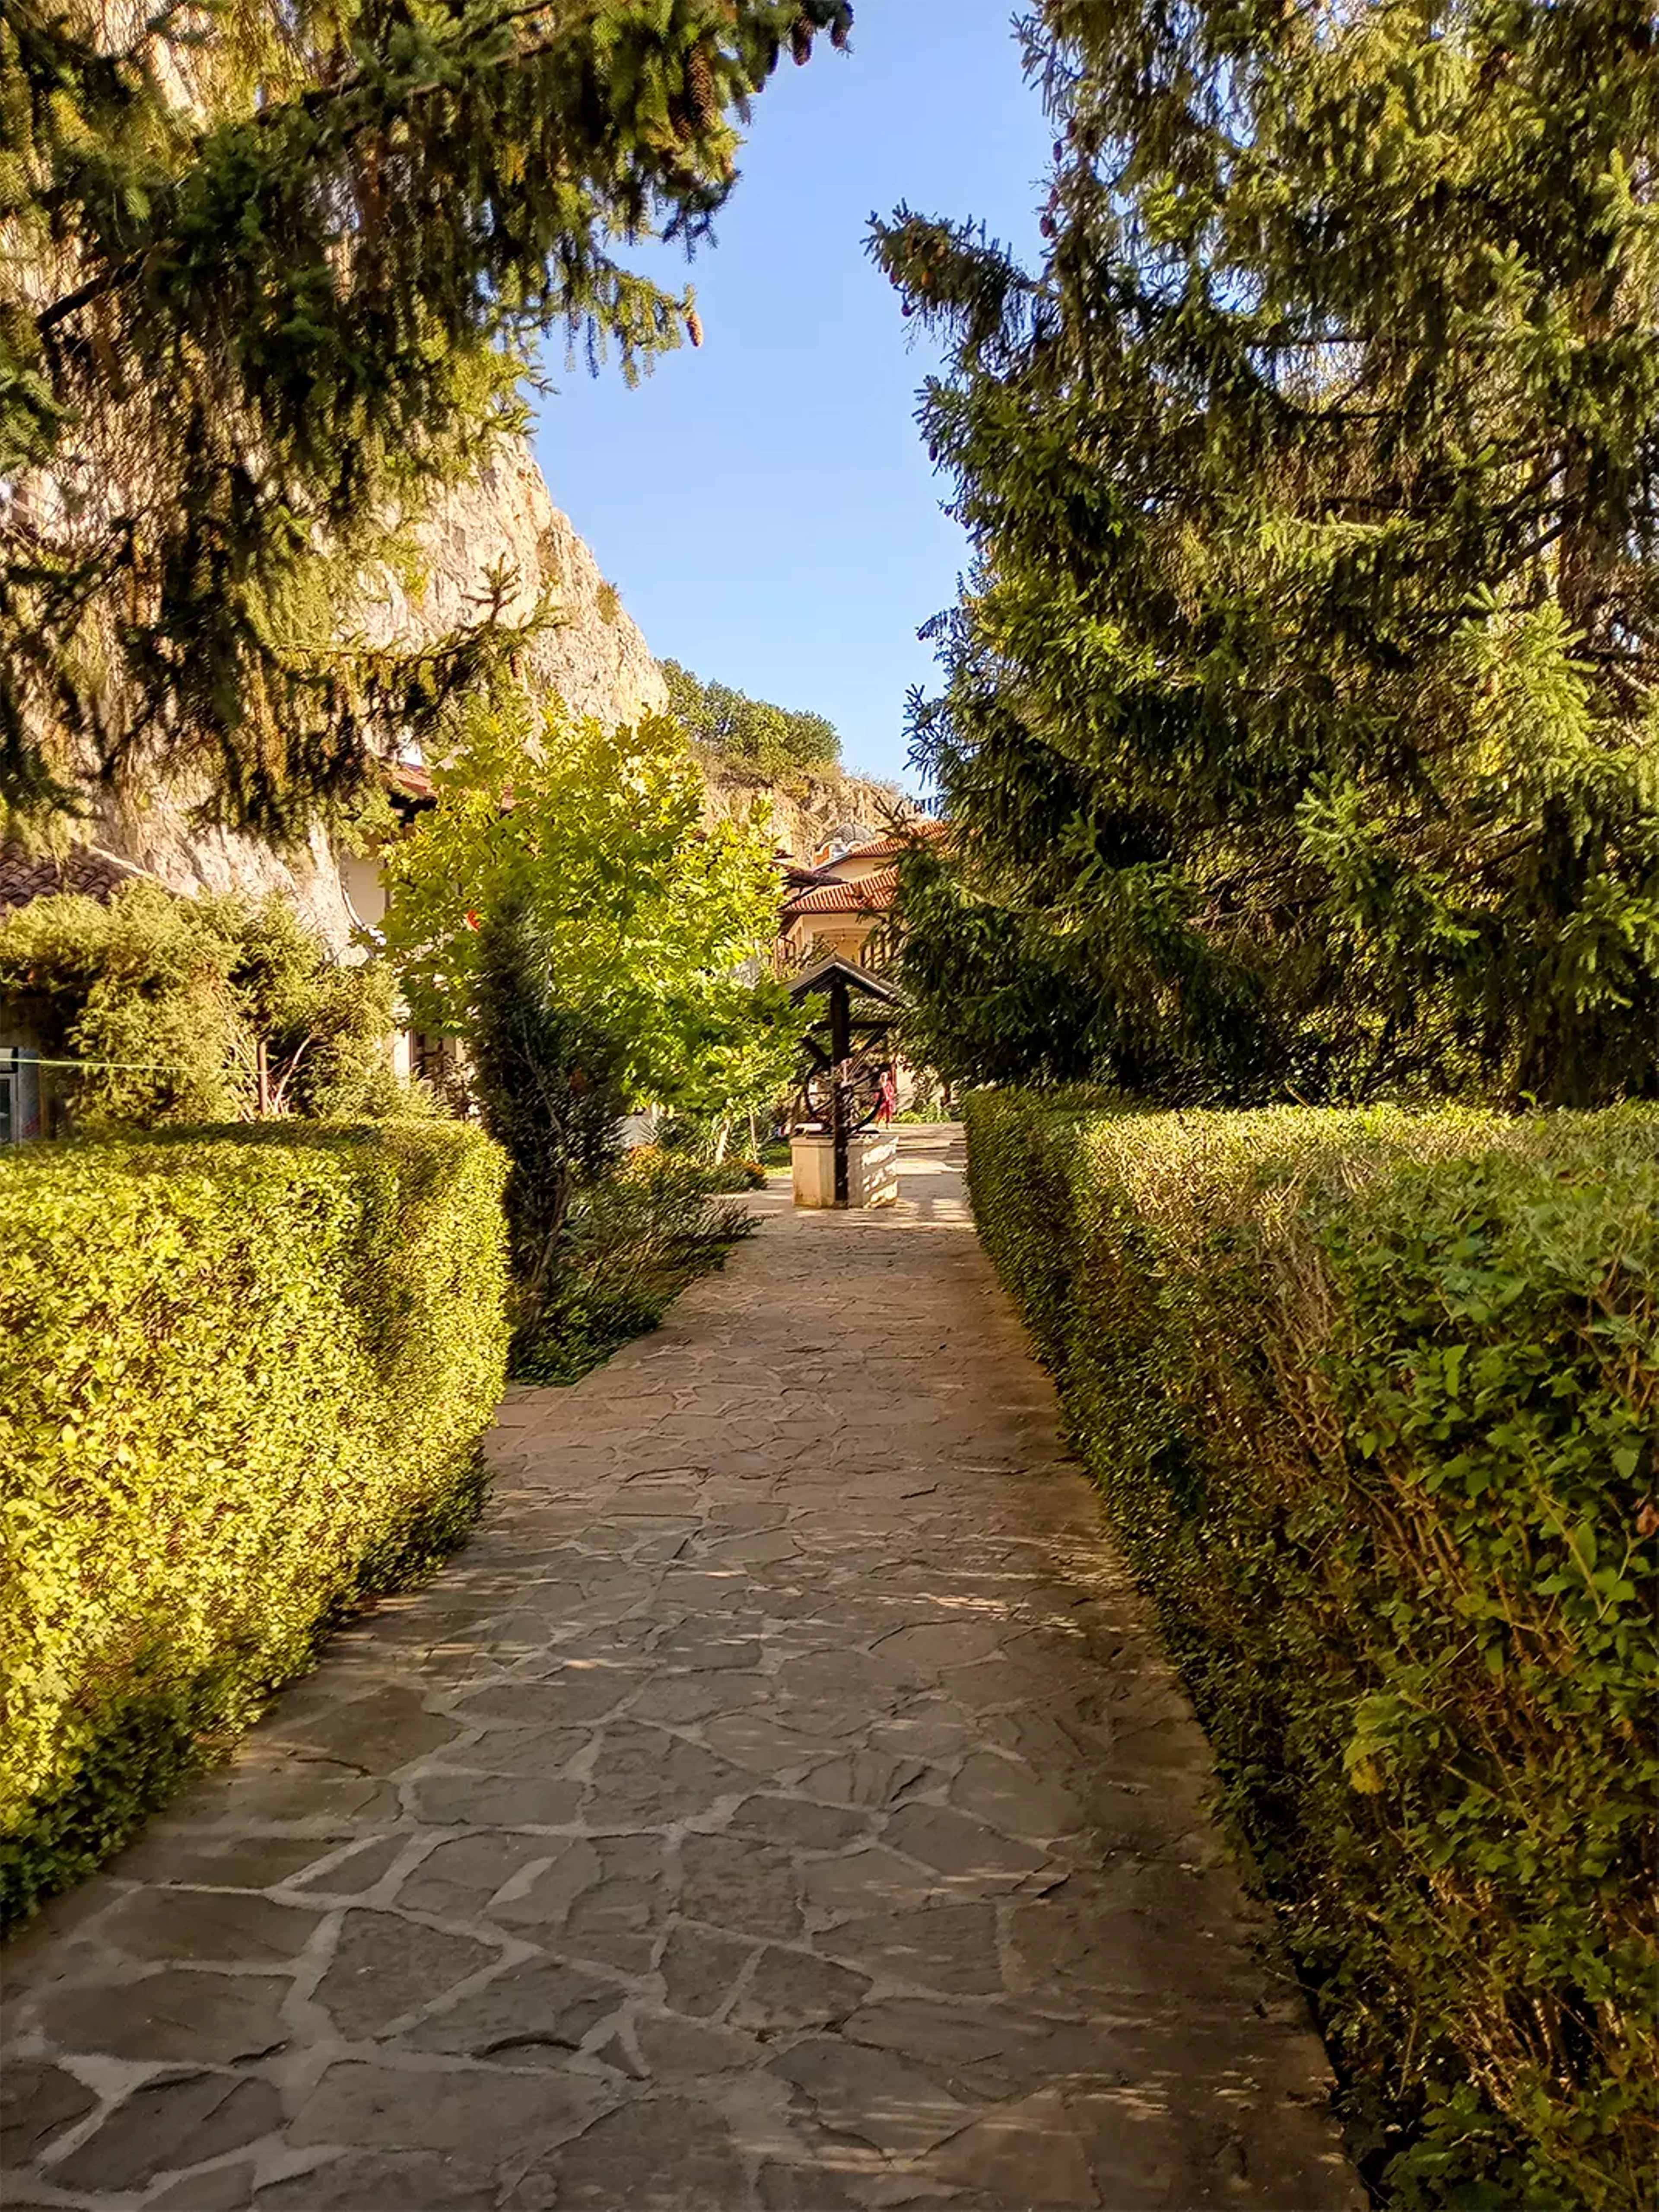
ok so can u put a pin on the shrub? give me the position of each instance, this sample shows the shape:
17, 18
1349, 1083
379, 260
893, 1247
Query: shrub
1374, 1398
243, 1379
168, 1003
695, 1150
736, 1174
635, 1238
548, 1083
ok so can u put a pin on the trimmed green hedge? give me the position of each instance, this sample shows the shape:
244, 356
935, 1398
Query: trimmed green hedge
1374, 1398
243, 1379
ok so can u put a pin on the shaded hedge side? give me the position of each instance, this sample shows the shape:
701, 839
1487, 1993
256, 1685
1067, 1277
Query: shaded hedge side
1374, 1400
243, 1379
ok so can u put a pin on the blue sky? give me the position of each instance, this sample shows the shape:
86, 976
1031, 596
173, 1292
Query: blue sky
763, 504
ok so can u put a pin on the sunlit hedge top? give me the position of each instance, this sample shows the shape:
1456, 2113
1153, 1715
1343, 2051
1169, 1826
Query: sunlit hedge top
242, 1375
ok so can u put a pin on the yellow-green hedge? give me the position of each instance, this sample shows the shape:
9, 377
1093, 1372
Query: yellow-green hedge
243, 1377
1374, 1397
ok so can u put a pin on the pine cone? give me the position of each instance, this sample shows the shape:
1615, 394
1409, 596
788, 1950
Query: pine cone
694, 326
800, 40
700, 86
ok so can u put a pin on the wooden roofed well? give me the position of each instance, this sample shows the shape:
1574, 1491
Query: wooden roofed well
844, 1051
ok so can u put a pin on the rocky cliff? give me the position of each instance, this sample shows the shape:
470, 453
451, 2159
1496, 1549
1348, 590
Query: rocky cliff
592, 654
809, 812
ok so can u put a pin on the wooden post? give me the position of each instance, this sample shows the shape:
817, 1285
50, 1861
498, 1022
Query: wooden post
262, 1080
840, 1049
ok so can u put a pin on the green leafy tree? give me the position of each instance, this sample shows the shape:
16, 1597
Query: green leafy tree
269, 275
1299, 718
324, 1026
173, 1004
777, 741
655, 929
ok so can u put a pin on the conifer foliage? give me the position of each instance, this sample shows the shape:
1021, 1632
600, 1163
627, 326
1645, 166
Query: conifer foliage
1299, 724
548, 1086
266, 274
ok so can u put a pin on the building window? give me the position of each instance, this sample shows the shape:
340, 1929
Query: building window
20, 1094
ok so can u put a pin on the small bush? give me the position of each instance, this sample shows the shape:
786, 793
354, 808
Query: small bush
736, 1175
635, 1239
165, 1005
1374, 1398
243, 1379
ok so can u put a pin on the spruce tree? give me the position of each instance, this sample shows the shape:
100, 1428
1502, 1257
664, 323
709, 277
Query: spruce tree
266, 275
1299, 722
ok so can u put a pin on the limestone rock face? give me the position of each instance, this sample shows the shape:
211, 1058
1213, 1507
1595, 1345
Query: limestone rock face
593, 657
163, 839
810, 812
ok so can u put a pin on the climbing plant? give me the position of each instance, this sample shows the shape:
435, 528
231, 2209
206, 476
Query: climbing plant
169, 1009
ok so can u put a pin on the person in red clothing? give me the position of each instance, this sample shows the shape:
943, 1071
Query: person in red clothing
887, 1097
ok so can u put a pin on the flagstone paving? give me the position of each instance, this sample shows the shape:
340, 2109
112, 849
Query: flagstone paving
782, 1804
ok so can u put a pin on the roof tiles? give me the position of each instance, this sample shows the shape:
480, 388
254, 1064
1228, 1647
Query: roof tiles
873, 896
25, 875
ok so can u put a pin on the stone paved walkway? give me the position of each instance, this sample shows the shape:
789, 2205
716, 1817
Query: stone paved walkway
781, 1804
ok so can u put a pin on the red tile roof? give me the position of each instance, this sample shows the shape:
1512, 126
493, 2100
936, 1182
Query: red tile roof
25, 875
873, 896
408, 780
889, 848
